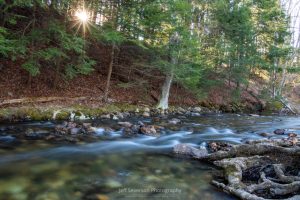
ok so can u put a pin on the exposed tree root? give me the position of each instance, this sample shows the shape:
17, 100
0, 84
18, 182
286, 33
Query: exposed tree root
258, 170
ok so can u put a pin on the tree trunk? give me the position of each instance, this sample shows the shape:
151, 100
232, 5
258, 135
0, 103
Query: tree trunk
110, 68
163, 103
274, 78
284, 74
174, 41
56, 77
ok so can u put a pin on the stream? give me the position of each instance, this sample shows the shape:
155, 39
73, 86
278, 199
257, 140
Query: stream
116, 167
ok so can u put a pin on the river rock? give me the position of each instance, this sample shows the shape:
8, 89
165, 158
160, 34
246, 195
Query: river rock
146, 109
87, 125
61, 129
7, 139
74, 131
146, 114
186, 149
174, 121
125, 124
149, 130
8, 142
107, 116
188, 113
72, 128
279, 131
292, 135
265, 134
131, 131
254, 115
181, 110
126, 114
70, 139
120, 115
140, 123
195, 114
32, 134
115, 117
196, 109
219, 146
203, 145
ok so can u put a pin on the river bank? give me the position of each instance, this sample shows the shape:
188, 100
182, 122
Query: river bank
35, 109
114, 111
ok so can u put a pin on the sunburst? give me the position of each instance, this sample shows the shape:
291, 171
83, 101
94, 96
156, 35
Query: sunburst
82, 20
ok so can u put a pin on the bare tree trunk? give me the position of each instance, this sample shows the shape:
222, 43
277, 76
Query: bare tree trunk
110, 68
163, 103
274, 78
32, 44
57, 71
284, 74
164, 99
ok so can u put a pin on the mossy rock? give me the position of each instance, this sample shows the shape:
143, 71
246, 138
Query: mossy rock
273, 106
41, 113
62, 115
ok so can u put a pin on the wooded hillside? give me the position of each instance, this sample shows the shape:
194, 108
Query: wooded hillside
215, 52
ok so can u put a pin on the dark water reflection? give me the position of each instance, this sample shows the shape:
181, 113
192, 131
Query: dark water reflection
115, 167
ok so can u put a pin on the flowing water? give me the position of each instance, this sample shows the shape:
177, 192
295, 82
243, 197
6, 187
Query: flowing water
117, 167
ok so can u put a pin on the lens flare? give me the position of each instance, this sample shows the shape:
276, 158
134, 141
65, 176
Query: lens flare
82, 16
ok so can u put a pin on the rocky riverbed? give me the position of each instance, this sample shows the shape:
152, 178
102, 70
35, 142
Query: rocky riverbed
128, 157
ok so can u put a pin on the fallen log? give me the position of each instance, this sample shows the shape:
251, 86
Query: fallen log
40, 100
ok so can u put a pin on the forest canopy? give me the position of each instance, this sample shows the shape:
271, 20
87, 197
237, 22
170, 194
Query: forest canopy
197, 43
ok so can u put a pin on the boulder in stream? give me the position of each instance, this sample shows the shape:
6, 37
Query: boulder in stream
174, 121
149, 130
279, 131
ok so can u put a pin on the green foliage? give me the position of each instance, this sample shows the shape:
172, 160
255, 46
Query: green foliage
10, 48
32, 66
219, 41
85, 67
112, 36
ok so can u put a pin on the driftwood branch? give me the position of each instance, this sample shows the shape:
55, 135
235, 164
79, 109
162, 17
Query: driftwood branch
256, 170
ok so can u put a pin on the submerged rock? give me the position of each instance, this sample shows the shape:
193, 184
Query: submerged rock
265, 134
186, 149
174, 121
125, 124
35, 134
279, 131
8, 142
195, 114
72, 128
74, 131
7, 139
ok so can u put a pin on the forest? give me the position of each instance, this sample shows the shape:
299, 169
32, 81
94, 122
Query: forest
147, 99
198, 45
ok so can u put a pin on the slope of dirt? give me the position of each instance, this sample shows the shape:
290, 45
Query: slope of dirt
133, 82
